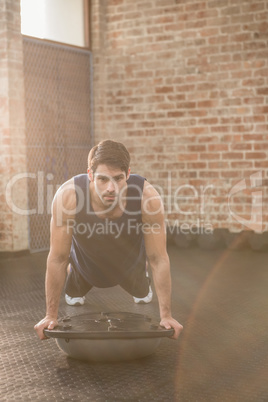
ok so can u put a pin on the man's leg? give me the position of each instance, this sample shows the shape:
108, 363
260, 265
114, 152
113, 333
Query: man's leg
138, 285
76, 287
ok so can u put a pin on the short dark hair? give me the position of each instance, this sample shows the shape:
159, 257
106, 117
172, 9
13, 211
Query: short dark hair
110, 153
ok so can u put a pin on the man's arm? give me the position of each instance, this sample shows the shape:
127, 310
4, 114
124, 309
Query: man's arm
63, 208
155, 244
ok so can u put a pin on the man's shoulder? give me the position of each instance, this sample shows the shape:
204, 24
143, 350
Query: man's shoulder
136, 177
66, 192
150, 190
64, 202
151, 201
67, 185
81, 179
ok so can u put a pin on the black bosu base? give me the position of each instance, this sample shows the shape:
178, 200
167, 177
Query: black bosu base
111, 336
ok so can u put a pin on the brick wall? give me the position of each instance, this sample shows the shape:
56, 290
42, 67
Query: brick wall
13, 226
184, 85
98, 46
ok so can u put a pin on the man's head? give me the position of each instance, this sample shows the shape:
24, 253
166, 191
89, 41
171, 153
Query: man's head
108, 168
110, 153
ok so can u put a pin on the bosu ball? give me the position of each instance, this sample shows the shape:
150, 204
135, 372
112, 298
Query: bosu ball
108, 336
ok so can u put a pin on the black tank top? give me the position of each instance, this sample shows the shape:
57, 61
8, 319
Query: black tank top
105, 250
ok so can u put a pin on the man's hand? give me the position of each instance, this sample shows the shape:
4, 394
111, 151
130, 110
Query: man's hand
47, 322
168, 323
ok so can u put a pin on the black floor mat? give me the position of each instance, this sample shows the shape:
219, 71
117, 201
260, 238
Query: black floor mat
219, 296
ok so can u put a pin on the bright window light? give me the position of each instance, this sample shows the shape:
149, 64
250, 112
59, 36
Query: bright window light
56, 20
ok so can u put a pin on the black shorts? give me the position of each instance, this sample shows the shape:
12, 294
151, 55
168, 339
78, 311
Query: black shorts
136, 282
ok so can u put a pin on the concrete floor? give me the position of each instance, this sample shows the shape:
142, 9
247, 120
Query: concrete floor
219, 296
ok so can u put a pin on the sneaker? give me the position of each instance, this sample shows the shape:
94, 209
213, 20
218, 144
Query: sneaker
146, 299
74, 301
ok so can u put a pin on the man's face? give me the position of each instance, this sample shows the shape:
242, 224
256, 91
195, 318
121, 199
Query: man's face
109, 184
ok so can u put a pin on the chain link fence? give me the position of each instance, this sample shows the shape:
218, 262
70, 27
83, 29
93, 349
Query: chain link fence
59, 122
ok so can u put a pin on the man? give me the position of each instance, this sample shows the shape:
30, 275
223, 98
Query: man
105, 226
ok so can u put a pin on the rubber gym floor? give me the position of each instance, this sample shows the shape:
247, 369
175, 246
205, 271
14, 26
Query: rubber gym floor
220, 296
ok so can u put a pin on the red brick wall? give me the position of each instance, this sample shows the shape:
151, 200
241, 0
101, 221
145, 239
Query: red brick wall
13, 226
184, 85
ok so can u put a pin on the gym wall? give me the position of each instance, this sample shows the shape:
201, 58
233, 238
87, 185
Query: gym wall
13, 226
184, 85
